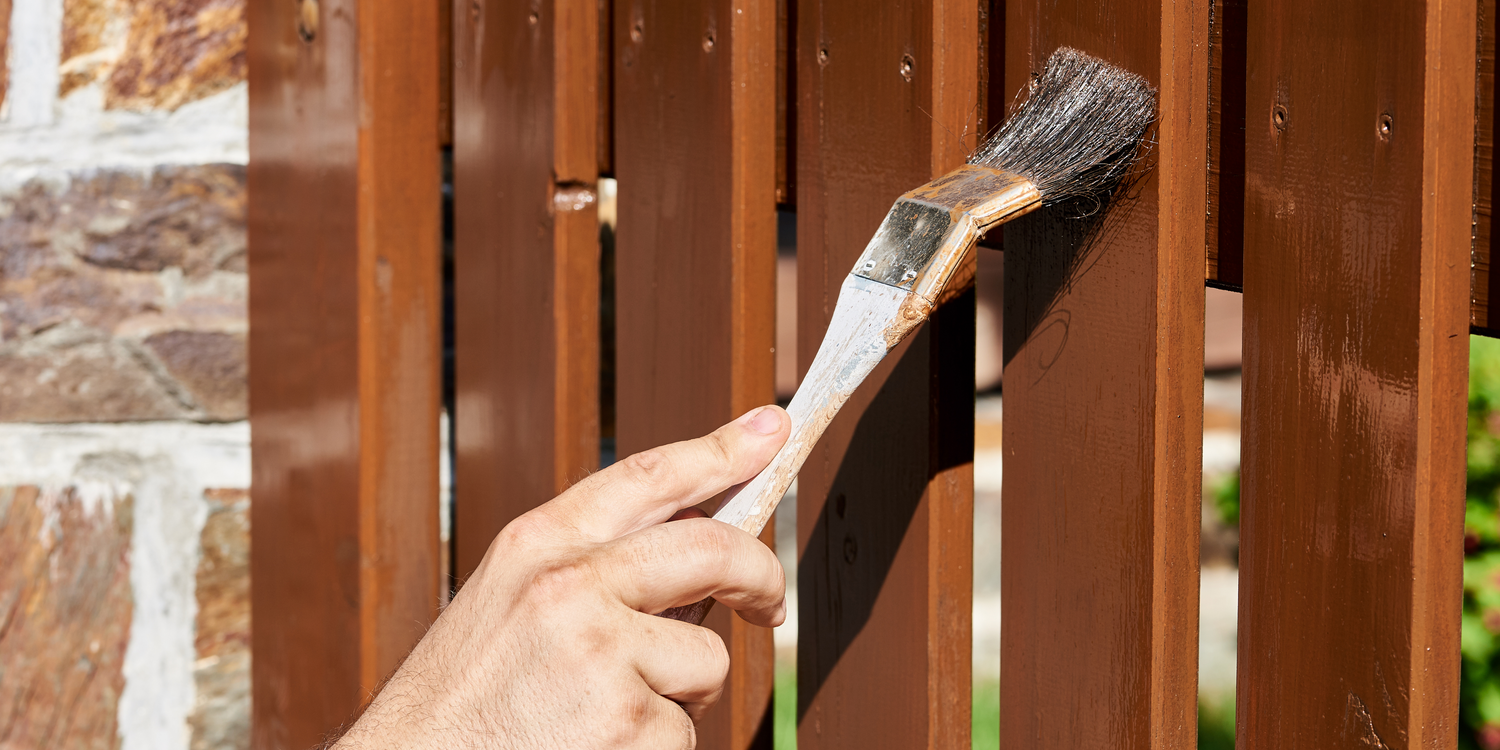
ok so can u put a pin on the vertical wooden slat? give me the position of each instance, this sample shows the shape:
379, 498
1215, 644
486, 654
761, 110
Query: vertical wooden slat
1103, 411
885, 501
1225, 238
344, 227
606, 88
526, 260
1358, 210
786, 103
1485, 285
445, 71
695, 258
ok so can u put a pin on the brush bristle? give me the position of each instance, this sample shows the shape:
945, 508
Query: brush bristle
1079, 133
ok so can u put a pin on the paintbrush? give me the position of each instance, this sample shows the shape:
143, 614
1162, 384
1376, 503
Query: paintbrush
1074, 139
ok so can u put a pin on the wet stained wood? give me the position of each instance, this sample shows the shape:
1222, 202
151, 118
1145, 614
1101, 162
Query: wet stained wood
344, 251
695, 255
1103, 411
526, 260
885, 501
1360, 178
1485, 285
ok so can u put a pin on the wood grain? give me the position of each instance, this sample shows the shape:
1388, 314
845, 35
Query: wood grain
695, 137
1103, 411
1225, 238
344, 233
885, 502
526, 260
1360, 178
1485, 285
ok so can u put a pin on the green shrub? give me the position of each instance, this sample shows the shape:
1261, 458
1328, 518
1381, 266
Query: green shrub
1479, 695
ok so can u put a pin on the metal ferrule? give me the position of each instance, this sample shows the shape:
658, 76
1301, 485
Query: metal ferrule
929, 230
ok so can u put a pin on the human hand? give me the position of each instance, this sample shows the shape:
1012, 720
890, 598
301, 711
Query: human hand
553, 642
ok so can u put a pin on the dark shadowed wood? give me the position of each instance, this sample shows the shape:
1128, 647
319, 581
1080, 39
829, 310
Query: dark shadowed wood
1225, 238
786, 104
344, 231
445, 71
1485, 285
885, 502
1358, 209
1103, 412
695, 294
605, 122
526, 260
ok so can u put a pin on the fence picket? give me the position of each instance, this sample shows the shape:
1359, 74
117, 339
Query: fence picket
526, 261
1103, 412
1357, 221
885, 502
344, 227
695, 255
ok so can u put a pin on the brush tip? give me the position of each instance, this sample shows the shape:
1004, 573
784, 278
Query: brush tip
1078, 134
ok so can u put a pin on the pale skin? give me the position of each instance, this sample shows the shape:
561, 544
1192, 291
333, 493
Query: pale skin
553, 641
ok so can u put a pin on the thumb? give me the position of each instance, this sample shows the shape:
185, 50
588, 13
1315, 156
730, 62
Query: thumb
647, 488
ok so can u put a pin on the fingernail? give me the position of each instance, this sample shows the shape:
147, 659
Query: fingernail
765, 421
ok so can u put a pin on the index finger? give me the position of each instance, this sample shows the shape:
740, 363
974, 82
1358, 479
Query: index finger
649, 487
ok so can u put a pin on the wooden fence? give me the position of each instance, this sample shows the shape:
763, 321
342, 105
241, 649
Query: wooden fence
1321, 156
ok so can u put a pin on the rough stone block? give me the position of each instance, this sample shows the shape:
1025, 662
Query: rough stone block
221, 718
153, 54
72, 374
122, 297
65, 612
210, 365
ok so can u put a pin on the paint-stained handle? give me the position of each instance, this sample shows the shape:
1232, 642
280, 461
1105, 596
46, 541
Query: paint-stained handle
869, 320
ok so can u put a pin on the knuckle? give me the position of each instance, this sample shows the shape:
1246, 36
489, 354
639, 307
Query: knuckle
525, 532
558, 581
723, 454
651, 468
631, 713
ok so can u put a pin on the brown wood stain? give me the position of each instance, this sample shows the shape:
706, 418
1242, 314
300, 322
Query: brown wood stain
1103, 412
695, 135
885, 502
526, 260
1485, 285
344, 232
1357, 217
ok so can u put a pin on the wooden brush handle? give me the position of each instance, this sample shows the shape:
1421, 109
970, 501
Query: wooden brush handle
869, 320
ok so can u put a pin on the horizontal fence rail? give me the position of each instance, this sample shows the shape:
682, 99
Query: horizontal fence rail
1333, 164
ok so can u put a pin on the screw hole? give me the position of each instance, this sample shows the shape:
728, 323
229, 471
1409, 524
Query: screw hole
1278, 117
851, 550
907, 65
534, 18
822, 55
637, 31
307, 20
708, 42
1384, 127
838, 505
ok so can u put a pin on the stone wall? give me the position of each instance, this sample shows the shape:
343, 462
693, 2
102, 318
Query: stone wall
124, 450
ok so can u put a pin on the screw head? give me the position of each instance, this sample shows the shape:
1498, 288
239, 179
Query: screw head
307, 20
